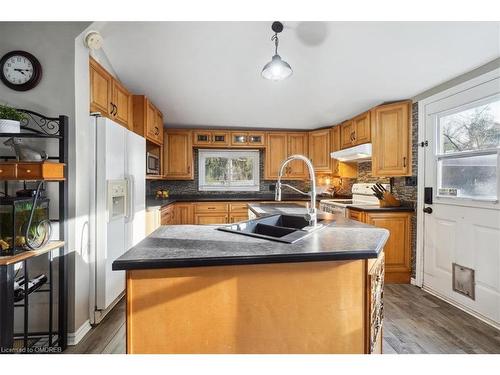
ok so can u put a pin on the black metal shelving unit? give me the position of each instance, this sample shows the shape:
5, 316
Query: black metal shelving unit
37, 126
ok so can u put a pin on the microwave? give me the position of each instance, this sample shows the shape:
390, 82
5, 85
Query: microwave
152, 164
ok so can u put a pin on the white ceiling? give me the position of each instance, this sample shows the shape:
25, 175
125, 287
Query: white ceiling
208, 73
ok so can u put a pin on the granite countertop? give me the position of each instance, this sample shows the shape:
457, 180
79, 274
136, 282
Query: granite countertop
153, 203
368, 208
175, 246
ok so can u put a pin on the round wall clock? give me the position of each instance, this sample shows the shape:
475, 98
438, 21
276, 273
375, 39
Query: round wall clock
20, 70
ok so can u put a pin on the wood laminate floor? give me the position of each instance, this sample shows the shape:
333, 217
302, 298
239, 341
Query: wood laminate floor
415, 322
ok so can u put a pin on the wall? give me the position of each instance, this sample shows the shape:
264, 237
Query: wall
191, 187
53, 43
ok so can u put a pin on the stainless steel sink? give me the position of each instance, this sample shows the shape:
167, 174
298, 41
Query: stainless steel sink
281, 228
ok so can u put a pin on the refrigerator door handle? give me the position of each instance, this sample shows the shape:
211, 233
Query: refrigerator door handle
130, 198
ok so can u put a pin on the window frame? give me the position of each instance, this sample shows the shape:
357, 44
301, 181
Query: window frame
204, 153
440, 155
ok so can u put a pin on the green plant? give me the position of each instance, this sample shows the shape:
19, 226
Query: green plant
9, 113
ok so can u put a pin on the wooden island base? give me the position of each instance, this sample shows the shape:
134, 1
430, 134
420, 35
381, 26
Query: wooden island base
311, 307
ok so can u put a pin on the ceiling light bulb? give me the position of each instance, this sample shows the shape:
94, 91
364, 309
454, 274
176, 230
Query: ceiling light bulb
277, 69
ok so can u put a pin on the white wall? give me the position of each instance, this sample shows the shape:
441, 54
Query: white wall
53, 43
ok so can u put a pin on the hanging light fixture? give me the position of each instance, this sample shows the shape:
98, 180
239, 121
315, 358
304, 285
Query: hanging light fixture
277, 69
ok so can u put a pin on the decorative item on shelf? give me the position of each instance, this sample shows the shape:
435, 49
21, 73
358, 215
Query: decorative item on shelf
162, 194
386, 198
21, 227
10, 119
277, 69
25, 153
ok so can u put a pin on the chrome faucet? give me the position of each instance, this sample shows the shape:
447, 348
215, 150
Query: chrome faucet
311, 215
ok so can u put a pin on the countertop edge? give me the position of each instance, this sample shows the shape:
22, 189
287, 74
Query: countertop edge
245, 260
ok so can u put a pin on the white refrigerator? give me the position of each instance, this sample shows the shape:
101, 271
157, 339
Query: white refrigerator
117, 208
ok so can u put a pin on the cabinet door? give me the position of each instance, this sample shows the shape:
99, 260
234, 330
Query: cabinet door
152, 128
184, 213
210, 219
335, 132
167, 215
391, 140
234, 218
297, 144
397, 247
362, 127
101, 89
202, 138
159, 125
122, 110
276, 152
239, 138
220, 138
178, 155
319, 150
346, 135
256, 139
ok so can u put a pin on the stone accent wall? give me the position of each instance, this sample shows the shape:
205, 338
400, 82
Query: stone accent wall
191, 187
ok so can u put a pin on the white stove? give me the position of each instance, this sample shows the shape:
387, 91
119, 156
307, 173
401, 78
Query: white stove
362, 194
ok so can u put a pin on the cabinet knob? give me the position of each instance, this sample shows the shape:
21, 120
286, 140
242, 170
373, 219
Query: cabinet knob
28, 170
1, 170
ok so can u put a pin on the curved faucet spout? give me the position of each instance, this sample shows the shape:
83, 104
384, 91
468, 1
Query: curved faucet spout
312, 207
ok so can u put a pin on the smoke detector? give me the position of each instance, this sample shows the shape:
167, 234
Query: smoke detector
93, 40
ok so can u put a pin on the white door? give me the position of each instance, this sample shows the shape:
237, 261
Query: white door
136, 176
462, 224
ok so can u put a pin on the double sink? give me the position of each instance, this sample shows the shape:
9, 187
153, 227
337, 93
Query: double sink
279, 227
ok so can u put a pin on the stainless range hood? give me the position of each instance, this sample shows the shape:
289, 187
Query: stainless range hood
357, 153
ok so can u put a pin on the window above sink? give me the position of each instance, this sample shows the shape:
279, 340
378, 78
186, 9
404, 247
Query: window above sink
228, 170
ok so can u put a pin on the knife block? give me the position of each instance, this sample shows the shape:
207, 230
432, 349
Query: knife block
389, 200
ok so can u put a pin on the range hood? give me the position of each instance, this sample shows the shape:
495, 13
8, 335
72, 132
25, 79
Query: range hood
357, 153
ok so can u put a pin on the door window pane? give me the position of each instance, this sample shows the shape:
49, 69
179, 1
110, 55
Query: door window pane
473, 176
476, 128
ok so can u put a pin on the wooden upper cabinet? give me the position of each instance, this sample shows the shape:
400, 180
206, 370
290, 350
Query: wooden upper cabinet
279, 147
108, 96
122, 105
297, 144
101, 88
148, 120
210, 138
178, 155
362, 128
319, 150
335, 146
391, 140
276, 152
346, 134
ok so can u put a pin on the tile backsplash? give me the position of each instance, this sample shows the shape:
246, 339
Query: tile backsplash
190, 187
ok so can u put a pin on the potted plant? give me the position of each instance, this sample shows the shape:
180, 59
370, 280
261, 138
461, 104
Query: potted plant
10, 119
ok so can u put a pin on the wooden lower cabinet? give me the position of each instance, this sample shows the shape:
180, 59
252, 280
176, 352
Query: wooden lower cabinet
287, 308
211, 219
167, 215
184, 213
398, 247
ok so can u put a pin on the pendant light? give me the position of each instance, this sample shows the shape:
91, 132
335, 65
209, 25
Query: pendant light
277, 69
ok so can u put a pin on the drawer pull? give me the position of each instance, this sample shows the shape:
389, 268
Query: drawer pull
1, 170
28, 170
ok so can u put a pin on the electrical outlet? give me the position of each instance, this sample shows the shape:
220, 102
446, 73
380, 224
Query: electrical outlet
411, 181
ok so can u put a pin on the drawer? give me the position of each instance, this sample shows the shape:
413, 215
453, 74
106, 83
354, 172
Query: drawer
355, 215
7, 171
238, 207
29, 171
210, 207
211, 219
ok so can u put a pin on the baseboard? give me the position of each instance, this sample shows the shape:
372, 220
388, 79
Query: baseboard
75, 337
462, 307
413, 281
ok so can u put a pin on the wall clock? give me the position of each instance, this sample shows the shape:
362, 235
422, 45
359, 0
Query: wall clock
20, 70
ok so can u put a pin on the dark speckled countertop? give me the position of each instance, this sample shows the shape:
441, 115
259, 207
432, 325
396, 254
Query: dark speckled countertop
175, 246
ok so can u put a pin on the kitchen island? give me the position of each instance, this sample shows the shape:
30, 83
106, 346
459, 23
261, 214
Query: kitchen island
195, 289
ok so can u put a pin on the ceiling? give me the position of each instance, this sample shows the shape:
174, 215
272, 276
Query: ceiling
208, 73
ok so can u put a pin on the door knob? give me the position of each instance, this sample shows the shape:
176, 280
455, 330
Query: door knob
428, 210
